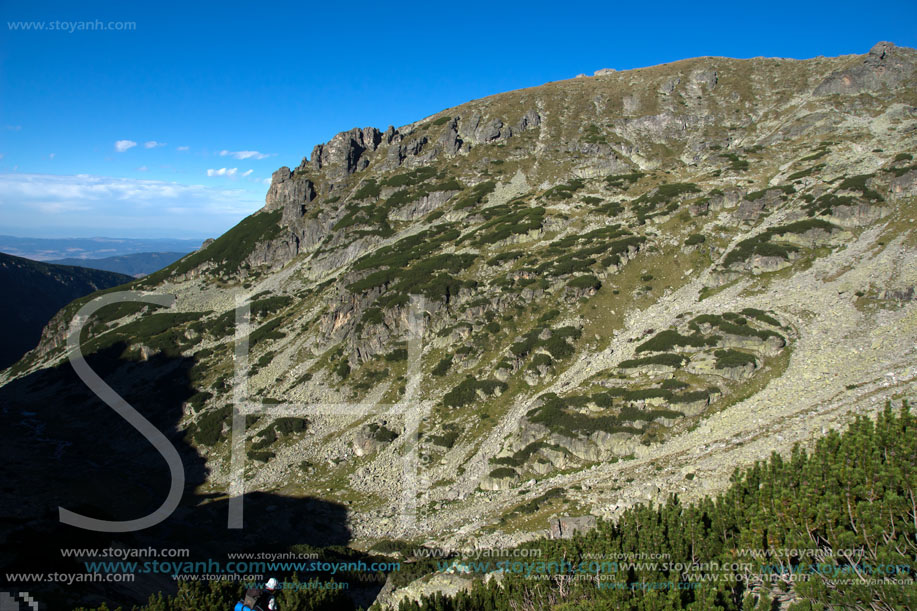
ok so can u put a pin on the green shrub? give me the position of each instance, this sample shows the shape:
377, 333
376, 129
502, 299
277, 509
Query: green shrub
585, 283
442, 367
368, 189
622, 181
503, 223
565, 190
447, 439
466, 391
262, 307
726, 359
806, 172
695, 239
399, 354
381, 433
198, 399
208, 429
667, 359
267, 331
858, 183
537, 503
373, 316
735, 162
549, 315
475, 195
342, 370
503, 472
260, 456
593, 135
668, 339
288, 425
761, 315
540, 360
505, 256
690, 397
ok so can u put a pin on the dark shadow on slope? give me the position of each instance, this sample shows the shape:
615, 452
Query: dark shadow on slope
63, 447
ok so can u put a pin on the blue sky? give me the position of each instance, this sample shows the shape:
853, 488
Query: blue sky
207, 99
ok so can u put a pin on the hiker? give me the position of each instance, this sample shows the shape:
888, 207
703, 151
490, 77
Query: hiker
258, 599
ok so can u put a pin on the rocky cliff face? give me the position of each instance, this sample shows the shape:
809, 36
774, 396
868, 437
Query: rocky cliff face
591, 289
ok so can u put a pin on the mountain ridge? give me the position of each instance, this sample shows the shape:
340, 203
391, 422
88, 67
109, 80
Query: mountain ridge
136, 265
625, 280
34, 291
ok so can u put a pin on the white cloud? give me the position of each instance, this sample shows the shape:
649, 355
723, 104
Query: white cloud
101, 203
123, 145
245, 173
244, 154
151, 144
142, 168
223, 172
182, 148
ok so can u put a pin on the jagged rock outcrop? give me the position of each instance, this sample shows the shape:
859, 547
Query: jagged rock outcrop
885, 66
343, 154
565, 527
289, 193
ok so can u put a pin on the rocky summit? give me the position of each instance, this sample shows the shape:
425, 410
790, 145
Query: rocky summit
538, 308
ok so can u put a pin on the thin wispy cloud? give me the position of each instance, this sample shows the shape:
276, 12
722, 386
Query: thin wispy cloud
107, 203
182, 148
151, 144
142, 168
247, 172
240, 155
222, 172
123, 145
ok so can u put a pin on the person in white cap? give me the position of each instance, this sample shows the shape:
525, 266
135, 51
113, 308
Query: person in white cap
268, 603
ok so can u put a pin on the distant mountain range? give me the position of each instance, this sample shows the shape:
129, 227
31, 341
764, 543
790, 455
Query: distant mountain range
53, 249
33, 292
136, 265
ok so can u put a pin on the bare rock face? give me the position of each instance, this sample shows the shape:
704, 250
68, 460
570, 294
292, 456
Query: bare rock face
423, 206
288, 194
343, 155
564, 527
450, 141
529, 120
856, 215
483, 130
702, 80
901, 295
904, 185
400, 150
885, 66
750, 210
